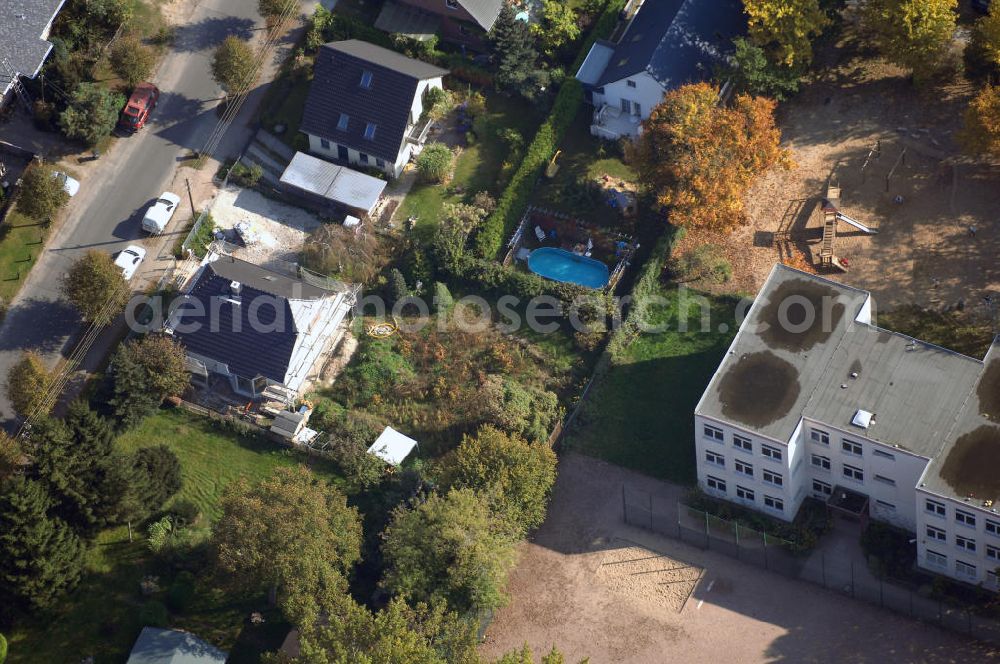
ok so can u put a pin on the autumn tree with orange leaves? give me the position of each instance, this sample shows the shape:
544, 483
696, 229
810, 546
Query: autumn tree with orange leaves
700, 157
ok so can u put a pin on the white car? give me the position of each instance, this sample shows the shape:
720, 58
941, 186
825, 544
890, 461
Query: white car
69, 184
159, 213
129, 259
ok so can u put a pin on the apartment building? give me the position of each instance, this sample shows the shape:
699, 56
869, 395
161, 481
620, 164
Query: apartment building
813, 400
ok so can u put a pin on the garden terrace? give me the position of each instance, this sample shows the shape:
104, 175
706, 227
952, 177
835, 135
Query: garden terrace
586, 167
480, 164
610, 247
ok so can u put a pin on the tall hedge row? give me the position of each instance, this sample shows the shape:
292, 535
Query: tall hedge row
516, 196
514, 200
490, 276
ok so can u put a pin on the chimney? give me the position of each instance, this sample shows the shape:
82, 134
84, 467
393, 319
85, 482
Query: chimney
235, 287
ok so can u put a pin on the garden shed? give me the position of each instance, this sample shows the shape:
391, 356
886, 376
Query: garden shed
392, 446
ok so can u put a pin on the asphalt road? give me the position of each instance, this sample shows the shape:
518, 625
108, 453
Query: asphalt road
106, 213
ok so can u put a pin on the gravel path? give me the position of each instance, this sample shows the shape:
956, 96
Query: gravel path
280, 228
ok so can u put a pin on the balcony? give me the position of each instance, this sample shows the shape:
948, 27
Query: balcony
610, 123
417, 133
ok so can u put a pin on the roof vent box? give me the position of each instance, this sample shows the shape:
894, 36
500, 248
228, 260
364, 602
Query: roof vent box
862, 419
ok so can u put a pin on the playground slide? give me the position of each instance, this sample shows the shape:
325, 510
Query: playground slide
857, 224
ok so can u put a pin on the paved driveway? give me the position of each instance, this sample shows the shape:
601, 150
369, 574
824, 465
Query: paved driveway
105, 215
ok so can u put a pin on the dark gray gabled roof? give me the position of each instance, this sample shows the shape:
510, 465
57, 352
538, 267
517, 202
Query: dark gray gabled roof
386, 58
252, 331
336, 89
676, 41
22, 24
264, 280
484, 11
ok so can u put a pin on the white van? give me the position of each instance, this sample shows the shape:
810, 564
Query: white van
159, 213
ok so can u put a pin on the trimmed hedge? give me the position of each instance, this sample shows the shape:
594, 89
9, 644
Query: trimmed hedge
515, 198
493, 277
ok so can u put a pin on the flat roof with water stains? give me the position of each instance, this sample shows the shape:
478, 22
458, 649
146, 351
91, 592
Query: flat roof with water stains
785, 364
968, 467
780, 353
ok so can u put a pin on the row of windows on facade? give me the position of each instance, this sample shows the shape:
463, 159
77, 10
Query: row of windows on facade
850, 472
962, 568
819, 461
848, 446
744, 443
822, 437
962, 542
823, 489
362, 157
962, 517
820, 489
743, 493
744, 468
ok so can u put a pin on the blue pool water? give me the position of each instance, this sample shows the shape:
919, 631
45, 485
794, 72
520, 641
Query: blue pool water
562, 265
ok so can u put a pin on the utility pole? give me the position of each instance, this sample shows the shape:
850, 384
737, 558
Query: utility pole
190, 196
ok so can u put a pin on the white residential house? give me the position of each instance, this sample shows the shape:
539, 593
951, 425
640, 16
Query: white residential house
366, 105
665, 44
813, 400
257, 328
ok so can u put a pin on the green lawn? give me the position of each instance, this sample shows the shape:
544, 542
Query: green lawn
640, 414
285, 100
212, 456
21, 243
102, 617
959, 331
582, 159
477, 166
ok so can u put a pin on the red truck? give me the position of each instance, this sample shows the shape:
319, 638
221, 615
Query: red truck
139, 106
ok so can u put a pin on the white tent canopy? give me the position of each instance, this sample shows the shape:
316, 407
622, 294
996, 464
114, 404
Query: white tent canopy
392, 446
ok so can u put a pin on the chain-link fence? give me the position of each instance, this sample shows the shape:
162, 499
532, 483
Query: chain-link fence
707, 531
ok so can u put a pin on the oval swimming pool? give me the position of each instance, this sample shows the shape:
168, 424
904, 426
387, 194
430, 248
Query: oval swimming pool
562, 265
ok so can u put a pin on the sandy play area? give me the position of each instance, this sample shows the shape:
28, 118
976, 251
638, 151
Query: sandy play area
600, 589
634, 571
923, 252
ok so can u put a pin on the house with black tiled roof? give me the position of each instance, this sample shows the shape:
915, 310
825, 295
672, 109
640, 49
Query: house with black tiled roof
366, 105
255, 327
666, 44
